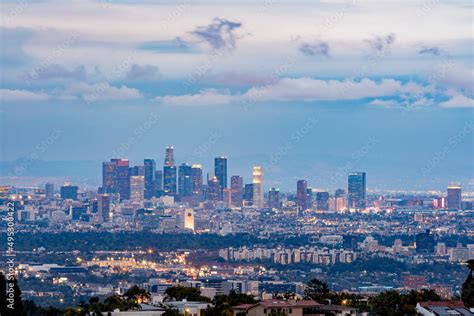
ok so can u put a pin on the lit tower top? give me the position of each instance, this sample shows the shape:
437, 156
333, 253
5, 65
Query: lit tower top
169, 156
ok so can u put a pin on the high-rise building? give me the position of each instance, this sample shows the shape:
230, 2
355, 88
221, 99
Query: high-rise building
158, 183
274, 198
322, 201
103, 207
220, 171
69, 192
49, 190
340, 200
150, 169
196, 180
169, 180
356, 191
213, 190
302, 195
109, 184
122, 178
454, 199
185, 183
257, 186
169, 173
425, 242
248, 192
169, 156
137, 184
237, 187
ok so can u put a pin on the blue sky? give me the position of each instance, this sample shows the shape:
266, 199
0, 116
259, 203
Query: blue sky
309, 89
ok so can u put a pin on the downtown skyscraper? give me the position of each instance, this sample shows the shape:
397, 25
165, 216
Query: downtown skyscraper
302, 199
116, 177
453, 199
257, 176
356, 191
237, 190
169, 173
149, 174
220, 171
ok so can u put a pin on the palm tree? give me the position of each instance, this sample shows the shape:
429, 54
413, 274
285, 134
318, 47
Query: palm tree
467, 294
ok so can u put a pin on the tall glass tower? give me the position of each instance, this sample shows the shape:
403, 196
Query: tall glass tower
356, 191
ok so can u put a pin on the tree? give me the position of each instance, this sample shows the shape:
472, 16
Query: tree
386, 303
137, 294
467, 294
316, 290
179, 293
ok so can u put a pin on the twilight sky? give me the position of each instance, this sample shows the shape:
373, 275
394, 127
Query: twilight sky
308, 89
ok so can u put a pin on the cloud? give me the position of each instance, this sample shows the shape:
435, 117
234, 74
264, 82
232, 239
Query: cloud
219, 34
56, 71
204, 97
22, 95
102, 91
381, 43
308, 89
458, 101
142, 72
316, 48
178, 45
434, 50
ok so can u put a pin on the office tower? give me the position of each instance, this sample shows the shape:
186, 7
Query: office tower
257, 186
188, 218
302, 195
122, 178
237, 187
454, 199
340, 200
310, 194
169, 156
322, 201
425, 242
196, 181
69, 192
108, 177
220, 171
103, 207
213, 190
49, 190
185, 185
137, 184
150, 169
169, 173
356, 188
227, 199
158, 183
274, 198
169, 180
248, 192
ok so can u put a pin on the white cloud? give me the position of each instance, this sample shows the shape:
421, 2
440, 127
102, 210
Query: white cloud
102, 91
204, 97
308, 89
459, 101
22, 95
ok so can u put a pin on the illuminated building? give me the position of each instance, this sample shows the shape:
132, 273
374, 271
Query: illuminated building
188, 217
213, 190
257, 186
121, 178
137, 184
302, 195
356, 191
340, 200
454, 199
169, 156
236, 186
